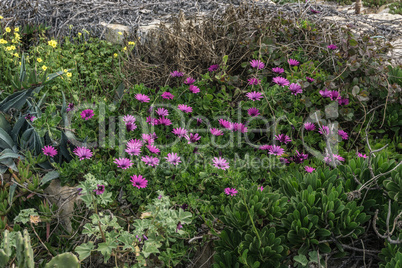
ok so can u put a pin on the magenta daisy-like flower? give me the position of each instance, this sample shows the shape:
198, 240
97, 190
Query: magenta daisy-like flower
295, 89
278, 70
332, 47
309, 126
131, 150
220, 163
261, 188
192, 138
299, 157
153, 149
257, 64
150, 161
83, 153
185, 108
142, 97
362, 155
324, 130
337, 157
309, 169
162, 112
123, 163
254, 81
343, 134
173, 158
181, 132
231, 191
189, 81
216, 132
309, 79
49, 151
293, 62
135, 143
167, 95
281, 81
30, 117
176, 74
164, 121
325, 93
87, 114
343, 101
253, 111
254, 96
129, 118
130, 126
70, 106
226, 124
284, 160
276, 150
283, 138
239, 127
100, 189
152, 121
150, 138
265, 147
334, 95
139, 181
194, 89
213, 68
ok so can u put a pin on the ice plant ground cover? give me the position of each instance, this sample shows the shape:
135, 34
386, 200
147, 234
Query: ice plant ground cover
286, 163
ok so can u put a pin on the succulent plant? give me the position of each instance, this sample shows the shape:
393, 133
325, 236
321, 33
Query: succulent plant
64, 260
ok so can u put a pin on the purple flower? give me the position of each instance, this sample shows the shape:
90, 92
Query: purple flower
82, 153
164, 121
152, 121
181, 132
194, 89
150, 161
239, 127
284, 160
153, 149
49, 151
167, 95
278, 70
231, 191
293, 62
314, 11
213, 68
254, 81
343, 101
362, 155
130, 126
326, 93
70, 106
220, 163
257, 64
276, 150
265, 147
309, 169
199, 121
189, 81
309, 126
309, 79
142, 97
283, 138
185, 108
327, 159
254, 96
145, 237
334, 95
343, 134
131, 150
176, 74
299, 157
192, 138
295, 89
160, 196
178, 227
100, 189
150, 138
30, 117
324, 130
332, 47
226, 124
281, 81
261, 188
129, 118
162, 112
253, 111
216, 132
139, 181
123, 163
173, 158
87, 114
135, 143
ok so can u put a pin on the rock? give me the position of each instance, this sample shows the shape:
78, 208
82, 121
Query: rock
115, 32
396, 53
64, 197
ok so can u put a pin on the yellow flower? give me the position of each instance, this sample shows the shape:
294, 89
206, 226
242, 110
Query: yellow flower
16, 29
8, 29
65, 70
69, 74
52, 43
124, 48
44, 67
39, 60
17, 35
131, 43
79, 34
115, 55
2, 41
16, 55
120, 33
20, 63
1, 17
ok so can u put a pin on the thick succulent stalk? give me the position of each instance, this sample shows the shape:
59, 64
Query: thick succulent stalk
5, 252
24, 250
65, 260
